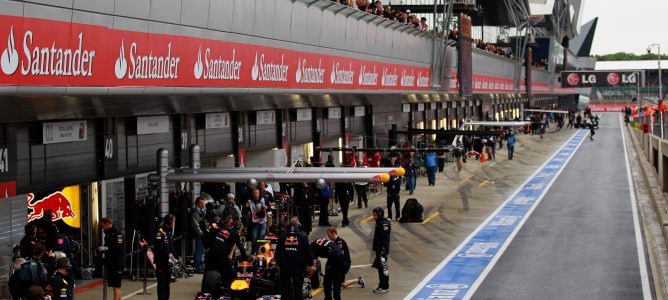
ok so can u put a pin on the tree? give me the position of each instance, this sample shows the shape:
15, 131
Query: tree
628, 56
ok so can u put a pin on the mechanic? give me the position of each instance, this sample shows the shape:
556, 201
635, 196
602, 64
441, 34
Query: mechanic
61, 284
162, 251
222, 243
114, 259
337, 266
293, 256
393, 189
344, 192
381, 246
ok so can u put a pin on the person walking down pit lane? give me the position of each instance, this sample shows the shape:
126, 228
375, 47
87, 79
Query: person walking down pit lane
393, 198
162, 251
344, 192
510, 143
432, 164
293, 257
114, 260
381, 246
411, 165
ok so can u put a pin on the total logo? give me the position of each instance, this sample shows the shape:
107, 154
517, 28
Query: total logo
389, 79
49, 60
368, 77
309, 74
341, 75
269, 71
146, 66
217, 68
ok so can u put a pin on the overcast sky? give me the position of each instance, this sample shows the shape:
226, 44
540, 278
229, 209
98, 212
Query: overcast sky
628, 26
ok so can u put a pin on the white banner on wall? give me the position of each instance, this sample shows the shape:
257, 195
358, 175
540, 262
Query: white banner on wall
154, 124
265, 117
304, 114
334, 113
217, 120
359, 111
63, 132
420, 106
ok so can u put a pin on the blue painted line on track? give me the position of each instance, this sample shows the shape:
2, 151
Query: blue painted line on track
462, 271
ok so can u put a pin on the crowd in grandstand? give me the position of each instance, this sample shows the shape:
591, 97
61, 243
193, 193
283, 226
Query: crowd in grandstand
387, 12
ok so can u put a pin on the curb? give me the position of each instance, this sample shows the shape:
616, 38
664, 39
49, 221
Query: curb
651, 204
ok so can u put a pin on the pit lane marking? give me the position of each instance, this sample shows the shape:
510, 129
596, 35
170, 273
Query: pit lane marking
465, 180
468, 265
367, 219
139, 291
429, 218
317, 291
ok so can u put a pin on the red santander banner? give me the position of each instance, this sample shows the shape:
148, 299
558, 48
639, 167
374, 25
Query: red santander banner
43, 52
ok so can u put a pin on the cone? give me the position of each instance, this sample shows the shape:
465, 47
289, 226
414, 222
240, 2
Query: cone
482, 156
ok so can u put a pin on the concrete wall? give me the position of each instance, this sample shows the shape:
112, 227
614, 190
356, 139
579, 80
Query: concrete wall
314, 26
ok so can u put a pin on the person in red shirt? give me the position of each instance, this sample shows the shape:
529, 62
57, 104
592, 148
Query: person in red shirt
374, 160
351, 158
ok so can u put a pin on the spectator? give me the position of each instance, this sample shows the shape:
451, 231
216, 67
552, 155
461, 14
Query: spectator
364, 5
423, 24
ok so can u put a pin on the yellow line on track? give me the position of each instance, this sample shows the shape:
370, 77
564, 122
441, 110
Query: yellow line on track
432, 215
367, 219
317, 291
465, 180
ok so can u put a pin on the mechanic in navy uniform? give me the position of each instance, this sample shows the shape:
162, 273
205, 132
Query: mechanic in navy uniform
338, 264
221, 243
381, 246
61, 283
164, 248
293, 257
114, 259
344, 193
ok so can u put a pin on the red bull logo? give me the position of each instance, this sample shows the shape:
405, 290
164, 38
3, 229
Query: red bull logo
57, 203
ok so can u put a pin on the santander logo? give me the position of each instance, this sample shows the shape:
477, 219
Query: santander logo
423, 79
406, 79
121, 66
309, 74
199, 68
341, 75
368, 78
10, 58
46, 58
389, 79
217, 68
146, 66
270, 71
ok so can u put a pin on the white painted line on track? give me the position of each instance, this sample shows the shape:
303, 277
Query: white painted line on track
139, 291
644, 278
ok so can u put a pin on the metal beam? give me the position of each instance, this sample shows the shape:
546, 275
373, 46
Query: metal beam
278, 177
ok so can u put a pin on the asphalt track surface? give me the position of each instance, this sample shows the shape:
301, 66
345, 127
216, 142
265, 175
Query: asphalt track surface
580, 242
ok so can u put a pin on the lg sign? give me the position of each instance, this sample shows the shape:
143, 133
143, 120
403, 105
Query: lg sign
598, 79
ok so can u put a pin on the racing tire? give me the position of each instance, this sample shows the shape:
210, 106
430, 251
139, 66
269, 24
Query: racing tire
211, 282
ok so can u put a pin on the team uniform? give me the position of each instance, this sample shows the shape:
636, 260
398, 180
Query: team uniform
293, 256
381, 246
114, 259
162, 249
